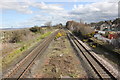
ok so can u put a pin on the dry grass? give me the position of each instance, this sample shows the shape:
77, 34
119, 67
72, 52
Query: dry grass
13, 39
14, 36
18, 52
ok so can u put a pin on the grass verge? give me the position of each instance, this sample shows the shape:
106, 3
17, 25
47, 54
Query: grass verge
18, 52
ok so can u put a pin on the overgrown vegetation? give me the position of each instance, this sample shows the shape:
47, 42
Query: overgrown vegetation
16, 37
86, 34
17, 52
80, 29
36, 29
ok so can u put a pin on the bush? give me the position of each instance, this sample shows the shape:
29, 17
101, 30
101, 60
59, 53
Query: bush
15, 38
81, 28
116, 42
36, 29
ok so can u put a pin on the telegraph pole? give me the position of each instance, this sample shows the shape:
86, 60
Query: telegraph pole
119, 9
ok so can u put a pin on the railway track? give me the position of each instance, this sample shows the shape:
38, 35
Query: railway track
100, 70
21, 69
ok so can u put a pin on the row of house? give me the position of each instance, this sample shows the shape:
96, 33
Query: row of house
107, 26
108, 31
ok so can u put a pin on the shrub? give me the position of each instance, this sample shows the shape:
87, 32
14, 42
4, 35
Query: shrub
16, 37
36, 29
116, 42
80, 28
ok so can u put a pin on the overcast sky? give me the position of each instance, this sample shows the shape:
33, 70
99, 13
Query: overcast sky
27, 13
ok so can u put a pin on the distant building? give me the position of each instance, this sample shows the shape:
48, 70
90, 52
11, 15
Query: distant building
118, 27
115, 27
44, 26
105, 27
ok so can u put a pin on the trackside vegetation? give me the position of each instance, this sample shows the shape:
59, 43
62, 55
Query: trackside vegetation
19, 51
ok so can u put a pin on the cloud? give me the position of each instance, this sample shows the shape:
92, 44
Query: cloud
17, 6
41, 19
95, 11
43, 6
55, 12
55, 17
24, 7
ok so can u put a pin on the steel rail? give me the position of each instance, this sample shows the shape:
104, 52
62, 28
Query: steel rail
96, 65
21, 68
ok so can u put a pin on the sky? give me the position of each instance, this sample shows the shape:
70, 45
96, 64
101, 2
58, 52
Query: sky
28, 13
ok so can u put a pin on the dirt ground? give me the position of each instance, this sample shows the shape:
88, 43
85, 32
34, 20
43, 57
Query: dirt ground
58, 61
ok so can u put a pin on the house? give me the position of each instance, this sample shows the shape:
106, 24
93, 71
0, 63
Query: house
115, 27
105, 27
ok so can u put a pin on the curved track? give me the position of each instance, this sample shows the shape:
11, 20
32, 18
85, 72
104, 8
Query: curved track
20, 70
96, 65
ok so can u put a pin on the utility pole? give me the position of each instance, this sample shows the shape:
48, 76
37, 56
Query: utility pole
81, 21
119, 9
